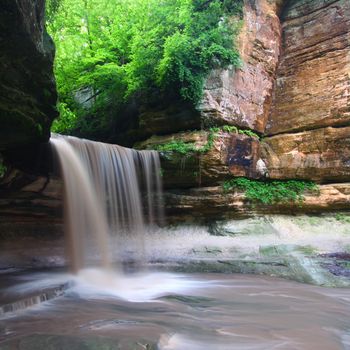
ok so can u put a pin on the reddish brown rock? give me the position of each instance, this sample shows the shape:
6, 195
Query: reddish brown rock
312, 87
243, 96
322, 155
205, 204
30, 203
242, 156
230, 153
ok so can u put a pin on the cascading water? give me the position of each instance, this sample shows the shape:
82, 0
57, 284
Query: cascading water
103, 198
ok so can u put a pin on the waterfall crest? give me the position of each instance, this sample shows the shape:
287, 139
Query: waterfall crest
102, 185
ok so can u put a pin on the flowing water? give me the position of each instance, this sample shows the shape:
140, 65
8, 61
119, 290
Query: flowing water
99, 307
103, 199
178, 312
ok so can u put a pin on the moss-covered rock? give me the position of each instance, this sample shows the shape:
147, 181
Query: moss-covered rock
27, 86
202, 158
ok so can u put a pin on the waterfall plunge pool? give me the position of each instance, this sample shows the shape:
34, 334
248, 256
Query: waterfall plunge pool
153, 310
100, 309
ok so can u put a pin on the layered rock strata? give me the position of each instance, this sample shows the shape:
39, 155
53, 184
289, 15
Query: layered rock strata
206, 203
30, 204
243, 96
293, 89
321, 155
312, 86
310, 114
229, 153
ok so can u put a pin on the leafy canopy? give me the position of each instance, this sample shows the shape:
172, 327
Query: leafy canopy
112, 51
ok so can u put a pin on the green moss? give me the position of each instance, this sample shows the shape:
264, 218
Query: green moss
230, 128
3, 168
176, 146
271, 192
342, 218
307, 250
182, 147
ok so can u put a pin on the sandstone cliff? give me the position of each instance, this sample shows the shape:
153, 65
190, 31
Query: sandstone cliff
293, 90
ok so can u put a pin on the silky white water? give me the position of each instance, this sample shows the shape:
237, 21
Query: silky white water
99, 308
168, 311
102, 198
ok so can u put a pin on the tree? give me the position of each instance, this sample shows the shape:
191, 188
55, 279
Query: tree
123, 49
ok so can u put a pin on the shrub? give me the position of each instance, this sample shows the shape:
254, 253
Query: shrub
271, 192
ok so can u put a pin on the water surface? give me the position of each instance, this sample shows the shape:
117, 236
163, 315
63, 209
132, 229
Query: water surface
171, 311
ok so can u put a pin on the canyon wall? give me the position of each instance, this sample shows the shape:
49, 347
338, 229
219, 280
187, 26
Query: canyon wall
292, 90
27, 86
27, 109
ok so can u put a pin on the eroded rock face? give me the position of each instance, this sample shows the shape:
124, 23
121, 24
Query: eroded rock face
27, 87
312, 87
173, 118
208, 203
30, 204
243, 96
230, 154
322, 155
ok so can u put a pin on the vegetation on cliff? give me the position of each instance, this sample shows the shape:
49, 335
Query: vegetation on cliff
3, 168
111, 53
271, 192
184, 148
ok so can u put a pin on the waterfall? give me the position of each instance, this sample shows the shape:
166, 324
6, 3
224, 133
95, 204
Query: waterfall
102, 197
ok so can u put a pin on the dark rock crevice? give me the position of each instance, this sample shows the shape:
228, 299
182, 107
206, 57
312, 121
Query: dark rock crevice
27, 87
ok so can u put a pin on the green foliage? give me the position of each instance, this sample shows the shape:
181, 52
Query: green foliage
3, 169
66, 120
271, 192
136, 49
177, 146
189, 147
342, 217
186, 148
229, 128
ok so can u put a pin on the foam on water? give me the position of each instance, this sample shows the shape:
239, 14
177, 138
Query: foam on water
138, 287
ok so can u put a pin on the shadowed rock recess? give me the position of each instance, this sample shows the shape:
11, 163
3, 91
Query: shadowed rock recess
284, 114
27, 86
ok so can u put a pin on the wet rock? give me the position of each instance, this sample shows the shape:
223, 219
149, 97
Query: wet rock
30, 204
230, 154
243, 157
212, 203
27, 87
312, 78
337, 263
322, 155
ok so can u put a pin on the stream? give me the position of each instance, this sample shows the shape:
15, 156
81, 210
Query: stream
99, 309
